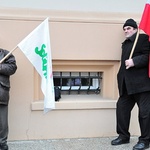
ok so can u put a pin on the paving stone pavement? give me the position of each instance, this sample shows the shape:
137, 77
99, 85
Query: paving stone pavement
71, 144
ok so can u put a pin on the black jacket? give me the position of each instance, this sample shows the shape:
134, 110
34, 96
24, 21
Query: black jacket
135, 78
7, 68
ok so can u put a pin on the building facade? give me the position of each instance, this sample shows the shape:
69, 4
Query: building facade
86, 49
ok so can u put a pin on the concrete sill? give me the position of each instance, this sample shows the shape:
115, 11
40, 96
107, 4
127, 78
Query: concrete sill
77, 102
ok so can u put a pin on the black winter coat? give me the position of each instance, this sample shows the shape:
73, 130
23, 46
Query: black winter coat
7, 68
135, 78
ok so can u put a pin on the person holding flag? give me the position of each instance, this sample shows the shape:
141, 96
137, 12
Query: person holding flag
133, 86
7, 68
36, 47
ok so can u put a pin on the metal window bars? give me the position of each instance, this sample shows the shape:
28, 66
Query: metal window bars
78, 81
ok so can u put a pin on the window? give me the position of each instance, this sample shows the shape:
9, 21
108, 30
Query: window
78, 82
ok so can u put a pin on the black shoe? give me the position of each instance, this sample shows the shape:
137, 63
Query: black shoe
119, 141
3, 147
141, 146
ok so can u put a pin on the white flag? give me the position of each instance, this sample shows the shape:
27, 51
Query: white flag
36, 47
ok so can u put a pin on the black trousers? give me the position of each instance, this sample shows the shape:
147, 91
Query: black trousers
125, 105
3, 124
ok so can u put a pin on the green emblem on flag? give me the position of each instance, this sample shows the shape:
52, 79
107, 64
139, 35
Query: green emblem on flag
41, 52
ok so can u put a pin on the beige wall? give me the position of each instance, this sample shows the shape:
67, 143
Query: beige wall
80, 42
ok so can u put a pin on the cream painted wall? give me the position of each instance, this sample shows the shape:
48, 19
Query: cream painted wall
84, 35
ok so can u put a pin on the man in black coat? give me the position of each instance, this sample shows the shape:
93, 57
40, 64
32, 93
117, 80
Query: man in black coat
134, 87
7, 68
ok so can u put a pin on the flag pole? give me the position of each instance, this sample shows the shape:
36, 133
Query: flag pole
8, 54
137, 36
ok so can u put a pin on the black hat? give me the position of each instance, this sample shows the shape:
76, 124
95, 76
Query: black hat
130, 22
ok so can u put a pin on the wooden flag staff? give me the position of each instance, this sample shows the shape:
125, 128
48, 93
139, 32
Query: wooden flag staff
137, 36
8, 54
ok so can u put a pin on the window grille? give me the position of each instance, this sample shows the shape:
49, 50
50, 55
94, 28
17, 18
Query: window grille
78, 82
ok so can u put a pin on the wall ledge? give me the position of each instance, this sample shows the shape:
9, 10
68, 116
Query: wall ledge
65, 16
77, 104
